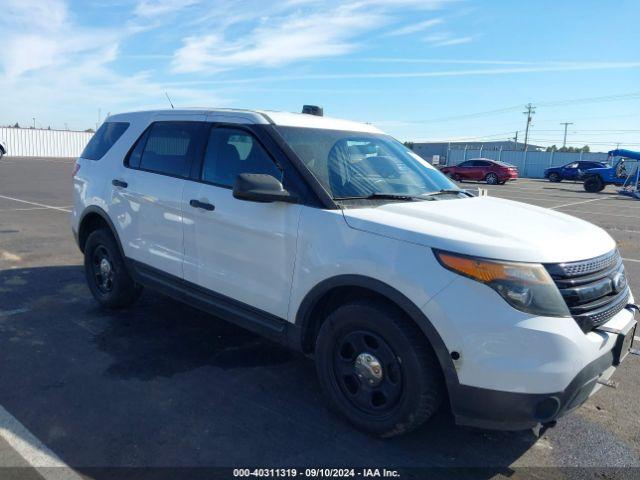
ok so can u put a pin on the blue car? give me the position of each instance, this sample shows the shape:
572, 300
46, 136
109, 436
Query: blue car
570, 171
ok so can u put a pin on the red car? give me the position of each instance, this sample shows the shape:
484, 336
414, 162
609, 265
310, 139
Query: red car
482, 170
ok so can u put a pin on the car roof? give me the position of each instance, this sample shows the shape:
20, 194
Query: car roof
233, 115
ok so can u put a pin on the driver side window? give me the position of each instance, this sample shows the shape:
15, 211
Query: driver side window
230, 152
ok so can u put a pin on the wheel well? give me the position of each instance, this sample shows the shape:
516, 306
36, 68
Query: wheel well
91, 222
331, 300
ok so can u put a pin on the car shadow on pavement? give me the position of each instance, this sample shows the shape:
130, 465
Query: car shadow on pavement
162, 384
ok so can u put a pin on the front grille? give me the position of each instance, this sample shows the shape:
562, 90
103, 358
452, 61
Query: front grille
595, 290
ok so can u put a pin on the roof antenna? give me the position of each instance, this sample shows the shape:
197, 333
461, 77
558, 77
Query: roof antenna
170, 103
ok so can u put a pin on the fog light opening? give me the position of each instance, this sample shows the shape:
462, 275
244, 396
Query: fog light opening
547, 409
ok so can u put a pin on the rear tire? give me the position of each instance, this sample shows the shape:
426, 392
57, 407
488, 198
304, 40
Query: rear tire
491, 179
593, 184
555, 178
106, 272
409, 386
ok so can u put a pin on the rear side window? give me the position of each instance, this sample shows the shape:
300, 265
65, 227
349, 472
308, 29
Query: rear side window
167, 148
103, 140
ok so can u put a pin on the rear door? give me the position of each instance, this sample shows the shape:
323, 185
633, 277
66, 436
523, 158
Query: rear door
241, 250
147, 194
476, 170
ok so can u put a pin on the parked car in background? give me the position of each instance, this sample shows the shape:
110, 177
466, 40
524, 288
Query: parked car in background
3, 148
482, 170
571, 171
596, 179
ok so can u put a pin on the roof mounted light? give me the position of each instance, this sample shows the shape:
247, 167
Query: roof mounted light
313, 110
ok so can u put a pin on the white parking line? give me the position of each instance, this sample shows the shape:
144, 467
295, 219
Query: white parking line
607, 214
631, 260
37, 204
36, 453
577, 203
537, 199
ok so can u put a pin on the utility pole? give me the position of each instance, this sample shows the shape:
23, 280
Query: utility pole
530, 111
566, 124
515, 141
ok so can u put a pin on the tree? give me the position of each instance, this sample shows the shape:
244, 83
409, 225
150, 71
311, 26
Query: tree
409, 145
552, 148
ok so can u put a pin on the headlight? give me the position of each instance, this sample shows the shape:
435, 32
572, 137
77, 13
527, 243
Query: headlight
525, 286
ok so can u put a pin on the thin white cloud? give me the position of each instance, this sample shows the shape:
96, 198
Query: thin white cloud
278, 41
155, 8
446, 39
261, 35
49, 63
416, 27
535, 68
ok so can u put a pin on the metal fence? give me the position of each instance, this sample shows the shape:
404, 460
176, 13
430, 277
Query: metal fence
32, 142
531, 164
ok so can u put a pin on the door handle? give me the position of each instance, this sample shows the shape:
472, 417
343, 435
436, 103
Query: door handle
119, 183
198, 204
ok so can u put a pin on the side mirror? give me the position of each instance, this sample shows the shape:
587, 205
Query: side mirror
259, 187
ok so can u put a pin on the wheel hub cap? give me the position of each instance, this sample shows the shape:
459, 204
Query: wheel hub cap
105, 267
369, 369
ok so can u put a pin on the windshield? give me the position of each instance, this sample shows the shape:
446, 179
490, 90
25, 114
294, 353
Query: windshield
356, 164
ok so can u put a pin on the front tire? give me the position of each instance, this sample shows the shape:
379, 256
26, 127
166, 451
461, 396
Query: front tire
593, 184
376, 368
491, 179
555, 178
106, 272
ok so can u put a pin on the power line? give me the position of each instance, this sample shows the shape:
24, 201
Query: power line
572, 101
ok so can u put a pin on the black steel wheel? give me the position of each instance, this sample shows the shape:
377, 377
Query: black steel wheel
368, 371
376, 368
593, 184
106, 272
102, 267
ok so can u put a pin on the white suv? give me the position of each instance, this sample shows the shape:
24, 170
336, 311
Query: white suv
334, 238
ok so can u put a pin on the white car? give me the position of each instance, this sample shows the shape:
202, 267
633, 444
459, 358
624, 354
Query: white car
333, 238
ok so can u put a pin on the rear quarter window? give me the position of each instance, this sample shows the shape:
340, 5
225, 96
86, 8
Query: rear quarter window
103, 140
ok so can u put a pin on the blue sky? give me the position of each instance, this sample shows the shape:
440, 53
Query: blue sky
419, 69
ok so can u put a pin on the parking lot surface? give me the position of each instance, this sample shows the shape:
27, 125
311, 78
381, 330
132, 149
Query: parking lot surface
165, 385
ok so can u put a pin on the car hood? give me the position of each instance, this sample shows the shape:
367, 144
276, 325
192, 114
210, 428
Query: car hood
486, 227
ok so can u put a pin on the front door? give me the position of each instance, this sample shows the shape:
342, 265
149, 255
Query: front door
240, 249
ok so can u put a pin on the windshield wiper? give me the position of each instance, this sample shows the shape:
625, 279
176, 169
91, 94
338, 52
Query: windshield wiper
382, 196
445, 192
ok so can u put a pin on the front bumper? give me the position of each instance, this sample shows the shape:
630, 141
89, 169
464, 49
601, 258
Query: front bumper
483, 408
